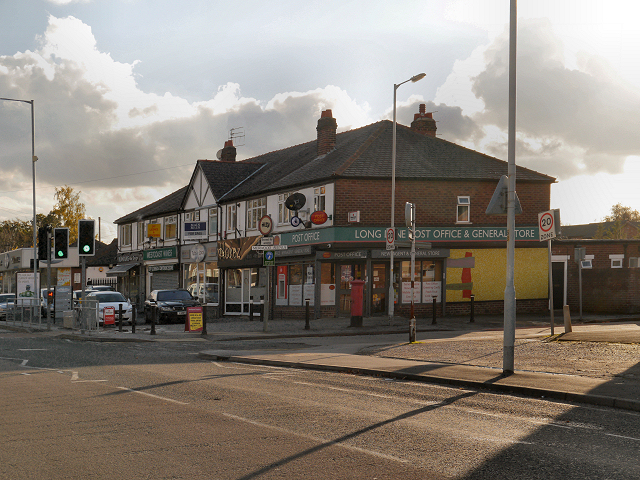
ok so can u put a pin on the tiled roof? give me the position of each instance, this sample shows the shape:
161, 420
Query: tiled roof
223, 176
169, 204
366, 153
589, 230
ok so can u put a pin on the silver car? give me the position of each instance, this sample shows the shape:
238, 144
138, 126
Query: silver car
7, 301
111, 299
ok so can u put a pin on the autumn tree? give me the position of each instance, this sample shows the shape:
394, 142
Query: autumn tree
616, 225
69, 209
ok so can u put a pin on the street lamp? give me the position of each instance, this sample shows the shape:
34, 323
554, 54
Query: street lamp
33, 171
413, 79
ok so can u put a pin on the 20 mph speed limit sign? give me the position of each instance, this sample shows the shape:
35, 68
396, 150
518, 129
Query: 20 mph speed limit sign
390, 235
546, 225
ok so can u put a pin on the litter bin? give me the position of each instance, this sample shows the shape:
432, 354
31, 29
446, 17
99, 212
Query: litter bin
357, 297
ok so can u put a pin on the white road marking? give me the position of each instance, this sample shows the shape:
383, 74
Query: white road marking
24, 363
622, 436
32, 349
314, 438
153, 396
74, 376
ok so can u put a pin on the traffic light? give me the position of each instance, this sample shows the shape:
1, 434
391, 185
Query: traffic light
50, 297
42, 242
60, 243
86, 237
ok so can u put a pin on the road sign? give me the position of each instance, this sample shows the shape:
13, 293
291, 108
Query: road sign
266, 241
269, 247
390, 235
295, 221
546, 225
265, 225
268, 259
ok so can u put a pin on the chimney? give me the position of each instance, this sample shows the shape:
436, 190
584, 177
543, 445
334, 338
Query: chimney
326, 128
228, 152
423, 122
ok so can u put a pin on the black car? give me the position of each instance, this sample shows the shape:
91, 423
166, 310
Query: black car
171, 304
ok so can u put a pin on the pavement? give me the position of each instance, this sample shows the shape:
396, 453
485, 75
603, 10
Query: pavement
597, 363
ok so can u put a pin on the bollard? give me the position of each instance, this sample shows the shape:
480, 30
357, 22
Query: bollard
251, 309
261, 308
472, 316
306, 315
204, 320
133, 320
154, 313
567, 318
433, 322
412, 330
120, 318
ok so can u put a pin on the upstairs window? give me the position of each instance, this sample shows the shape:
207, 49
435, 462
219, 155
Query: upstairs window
463, 214
616, 260
170, 227
284, 214
256, 209
213, 221
142, 232
232, 219
125, 232
319, 199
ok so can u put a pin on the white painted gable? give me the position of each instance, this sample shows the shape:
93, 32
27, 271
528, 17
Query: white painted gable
199, 194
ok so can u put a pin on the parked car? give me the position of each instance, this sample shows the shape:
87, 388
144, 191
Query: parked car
7, 300
100, 288
207, 293
172, 305
111, 299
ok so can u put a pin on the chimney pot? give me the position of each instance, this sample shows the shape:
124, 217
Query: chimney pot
228, 152
326, 128
423, 122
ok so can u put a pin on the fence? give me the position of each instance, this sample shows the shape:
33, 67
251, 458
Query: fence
27, 313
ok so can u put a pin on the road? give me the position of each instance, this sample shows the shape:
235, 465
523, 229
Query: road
154, 410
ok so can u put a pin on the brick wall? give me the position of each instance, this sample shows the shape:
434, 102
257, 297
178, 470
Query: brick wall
436, 201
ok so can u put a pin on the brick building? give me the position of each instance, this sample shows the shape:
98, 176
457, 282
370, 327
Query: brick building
336, 233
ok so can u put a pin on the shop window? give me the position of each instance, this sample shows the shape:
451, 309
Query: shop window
616, 260
213, 221
284, 214
634, 262
319, 199
463, 212
125, 235
256, 209
170, 227
232, 219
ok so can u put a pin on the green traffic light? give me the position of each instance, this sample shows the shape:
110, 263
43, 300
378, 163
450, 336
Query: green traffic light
86, 248
60, 253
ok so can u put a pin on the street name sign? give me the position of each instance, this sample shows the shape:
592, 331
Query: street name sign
269, 247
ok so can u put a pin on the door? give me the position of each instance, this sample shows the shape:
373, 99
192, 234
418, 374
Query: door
557, 272
348, 272
379, 288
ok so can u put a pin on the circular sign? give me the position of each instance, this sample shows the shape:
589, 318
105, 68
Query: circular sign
265, 225
319, 217
391, 233
546, 222
268, 255
295, 221
198, 252
295, 201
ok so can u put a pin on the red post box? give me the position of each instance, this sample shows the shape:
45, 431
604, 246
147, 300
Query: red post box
357, 297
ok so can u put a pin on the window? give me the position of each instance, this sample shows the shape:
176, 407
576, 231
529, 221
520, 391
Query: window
616, 260
463, 213
284, 214
634, 262
213, 221
232, 219
125, 233
192, 216
170, 227
318, 199
142, 232
256, 209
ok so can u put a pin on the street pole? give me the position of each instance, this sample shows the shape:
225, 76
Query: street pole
550, 287
33, 171
413, 79
510, 290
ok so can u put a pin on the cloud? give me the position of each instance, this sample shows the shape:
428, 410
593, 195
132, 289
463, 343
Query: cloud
121, 146
568, 120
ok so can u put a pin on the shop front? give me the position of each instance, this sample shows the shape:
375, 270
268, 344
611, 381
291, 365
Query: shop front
201, 275
244, 279
130, 281
162, 269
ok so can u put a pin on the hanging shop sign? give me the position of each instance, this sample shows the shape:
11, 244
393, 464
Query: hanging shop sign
319, 217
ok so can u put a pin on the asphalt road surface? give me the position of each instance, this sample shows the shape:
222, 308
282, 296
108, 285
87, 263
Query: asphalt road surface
154, 410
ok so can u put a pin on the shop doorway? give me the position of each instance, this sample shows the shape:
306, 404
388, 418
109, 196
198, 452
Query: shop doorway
379, 288
348, 273
243, 285
558, 272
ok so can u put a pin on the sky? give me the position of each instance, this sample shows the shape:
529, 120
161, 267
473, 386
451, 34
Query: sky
129, 94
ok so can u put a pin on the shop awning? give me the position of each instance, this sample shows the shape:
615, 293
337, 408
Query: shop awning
120, 270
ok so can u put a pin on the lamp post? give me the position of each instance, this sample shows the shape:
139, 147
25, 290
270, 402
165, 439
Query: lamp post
413, 79
33, 172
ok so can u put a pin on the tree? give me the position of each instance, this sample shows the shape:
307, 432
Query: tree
620, 223
69, 210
